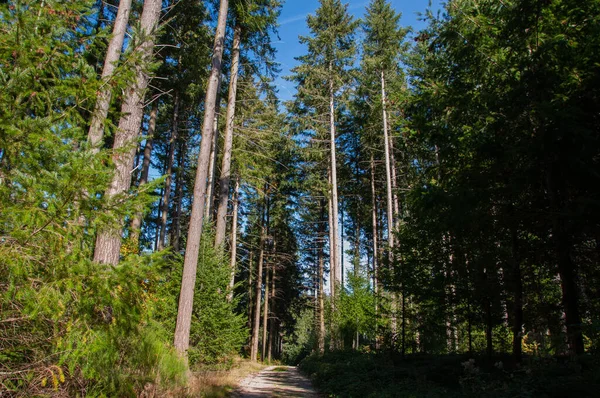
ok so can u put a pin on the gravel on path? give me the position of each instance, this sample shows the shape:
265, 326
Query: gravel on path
276, 381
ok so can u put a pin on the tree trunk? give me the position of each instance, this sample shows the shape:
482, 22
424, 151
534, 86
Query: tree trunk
332, 252
108, 240
179, 183
136, 223
232, 261
170, 159
388, 175
390, 197
115, 45
271, 309
213, 160
228, 142
190, 263
258, 289
321, 261
375, 247
265, 318
334, 192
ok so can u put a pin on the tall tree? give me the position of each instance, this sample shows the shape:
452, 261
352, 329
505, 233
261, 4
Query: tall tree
108, 240
322, 79
186, 297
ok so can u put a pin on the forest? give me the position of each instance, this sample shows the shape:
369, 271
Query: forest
421, 219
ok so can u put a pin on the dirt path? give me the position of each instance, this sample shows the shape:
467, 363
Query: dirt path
276, 381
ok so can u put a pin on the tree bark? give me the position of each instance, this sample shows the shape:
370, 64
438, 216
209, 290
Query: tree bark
332, 251
233, 259
136, 223
190, 263
115, 45
179, 183
375, 247
321, 261
265, 317
228, 142
388, 175
169, 173
108, 240
213, 160
258, 289
334, 192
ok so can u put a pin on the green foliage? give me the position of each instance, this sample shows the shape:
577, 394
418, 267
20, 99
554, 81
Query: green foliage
355, 312
302, 340
355, 374
217, 331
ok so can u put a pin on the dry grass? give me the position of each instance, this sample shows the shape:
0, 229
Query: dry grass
220, 383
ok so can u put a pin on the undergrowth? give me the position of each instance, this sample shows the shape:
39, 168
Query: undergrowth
356, 374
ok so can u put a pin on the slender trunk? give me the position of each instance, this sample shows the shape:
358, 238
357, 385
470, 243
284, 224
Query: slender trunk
341, 237
388, 175
232, 261
332, 252
265, 317
271, 310
334, 192
169, 173
115, 45
375, 248
228, 142
249, 293
321, 261
213, 160
179, 183
136, 223
108, 240
190, 263
390, 198
258, 289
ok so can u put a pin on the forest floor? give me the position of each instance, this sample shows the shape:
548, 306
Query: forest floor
276, 381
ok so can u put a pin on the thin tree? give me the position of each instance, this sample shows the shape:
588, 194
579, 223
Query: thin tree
190, 264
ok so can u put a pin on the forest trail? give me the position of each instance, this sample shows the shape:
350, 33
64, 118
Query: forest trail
276, 381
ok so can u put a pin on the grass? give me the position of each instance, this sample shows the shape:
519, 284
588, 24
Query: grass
280, 369
214, 382
353, 374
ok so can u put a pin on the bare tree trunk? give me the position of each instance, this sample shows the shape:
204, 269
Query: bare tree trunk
170, 159
115, 45
250, 306
190, 263
257, 294
213, 159
375, 247
388, 175
265, 317
390, 198
337, 276
232, 261
179, 183
228, 142
136, 223
271, 303
321, 260
108, 240
332, 252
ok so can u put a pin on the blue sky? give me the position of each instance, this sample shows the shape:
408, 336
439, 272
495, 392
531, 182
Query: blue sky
293, 23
